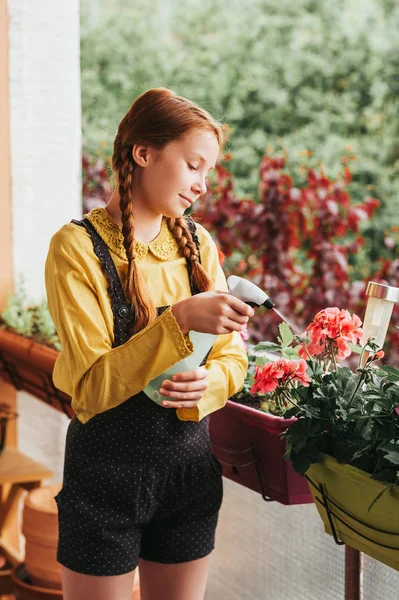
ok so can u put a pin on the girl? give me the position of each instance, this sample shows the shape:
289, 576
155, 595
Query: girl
125, 287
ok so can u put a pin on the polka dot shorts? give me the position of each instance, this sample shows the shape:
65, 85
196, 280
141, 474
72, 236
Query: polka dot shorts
113, 513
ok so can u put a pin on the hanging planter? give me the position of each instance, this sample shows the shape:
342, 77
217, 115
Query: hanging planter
343, 495
28, 366
247, 443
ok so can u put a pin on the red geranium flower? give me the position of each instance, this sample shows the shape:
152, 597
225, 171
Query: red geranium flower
330, 333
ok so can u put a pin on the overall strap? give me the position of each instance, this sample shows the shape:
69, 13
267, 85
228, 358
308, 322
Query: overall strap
121, 309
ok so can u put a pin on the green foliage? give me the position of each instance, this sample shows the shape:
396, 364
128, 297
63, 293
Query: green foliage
291, 75
350, 416
30, 321
16, 316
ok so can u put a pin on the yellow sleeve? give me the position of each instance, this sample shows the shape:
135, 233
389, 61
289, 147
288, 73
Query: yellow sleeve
97, 376
227, 363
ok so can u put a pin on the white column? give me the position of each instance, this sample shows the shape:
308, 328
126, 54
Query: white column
45, 132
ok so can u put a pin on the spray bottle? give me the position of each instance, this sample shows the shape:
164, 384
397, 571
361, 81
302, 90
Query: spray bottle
240, 288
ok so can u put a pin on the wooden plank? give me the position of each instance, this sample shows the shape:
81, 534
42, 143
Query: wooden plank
15, 467
9, 505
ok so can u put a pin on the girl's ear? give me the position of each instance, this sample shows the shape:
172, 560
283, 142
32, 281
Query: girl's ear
141, 155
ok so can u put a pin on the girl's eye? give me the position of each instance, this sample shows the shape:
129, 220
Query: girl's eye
192, 167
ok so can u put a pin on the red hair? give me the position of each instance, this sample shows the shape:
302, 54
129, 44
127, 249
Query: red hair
156, 118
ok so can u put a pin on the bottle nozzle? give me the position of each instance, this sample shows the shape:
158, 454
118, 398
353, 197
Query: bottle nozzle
248, 292
268, 304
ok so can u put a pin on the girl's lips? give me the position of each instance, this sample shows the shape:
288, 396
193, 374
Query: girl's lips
187, 199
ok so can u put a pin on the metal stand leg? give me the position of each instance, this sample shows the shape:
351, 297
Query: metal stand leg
352, 573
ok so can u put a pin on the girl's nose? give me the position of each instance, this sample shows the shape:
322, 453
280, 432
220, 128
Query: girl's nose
199, 187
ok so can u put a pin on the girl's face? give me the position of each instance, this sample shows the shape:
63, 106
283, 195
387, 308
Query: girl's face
175, 176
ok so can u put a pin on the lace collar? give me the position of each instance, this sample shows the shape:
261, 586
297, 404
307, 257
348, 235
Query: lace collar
164, 246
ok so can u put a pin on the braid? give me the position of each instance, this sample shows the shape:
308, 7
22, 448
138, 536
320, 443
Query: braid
134, 284
156, 118
183, 236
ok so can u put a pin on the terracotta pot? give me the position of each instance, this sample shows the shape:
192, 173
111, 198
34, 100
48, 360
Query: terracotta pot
25, 590
247, 443
28, 366
40, 528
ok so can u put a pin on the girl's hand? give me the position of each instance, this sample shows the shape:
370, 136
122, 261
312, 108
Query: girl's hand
186, 389
212, 312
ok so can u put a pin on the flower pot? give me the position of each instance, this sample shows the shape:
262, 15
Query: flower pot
40, 528
247, 442
28, 366
344, 509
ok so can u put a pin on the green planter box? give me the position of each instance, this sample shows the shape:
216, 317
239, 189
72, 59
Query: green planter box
348, 493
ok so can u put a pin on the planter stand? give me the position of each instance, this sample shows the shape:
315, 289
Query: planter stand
353, 561
352, 556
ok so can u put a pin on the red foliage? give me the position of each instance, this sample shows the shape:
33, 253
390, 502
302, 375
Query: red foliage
294, 243
96, 190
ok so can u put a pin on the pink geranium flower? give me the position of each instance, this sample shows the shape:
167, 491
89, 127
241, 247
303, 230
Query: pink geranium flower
266, 378
330, 333
279, 376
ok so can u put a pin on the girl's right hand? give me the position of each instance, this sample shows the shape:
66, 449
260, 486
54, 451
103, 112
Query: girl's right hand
212, 312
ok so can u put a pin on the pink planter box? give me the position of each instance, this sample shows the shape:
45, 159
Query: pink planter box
247, 443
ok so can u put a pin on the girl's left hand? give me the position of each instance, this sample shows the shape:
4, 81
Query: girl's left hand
185, 390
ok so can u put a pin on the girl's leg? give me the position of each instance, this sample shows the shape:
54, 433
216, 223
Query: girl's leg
76, 586
183, 581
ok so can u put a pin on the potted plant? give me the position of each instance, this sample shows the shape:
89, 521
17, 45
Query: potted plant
246, 434
29, 348
345, 433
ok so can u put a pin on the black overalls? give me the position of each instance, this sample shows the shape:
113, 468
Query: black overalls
138, 482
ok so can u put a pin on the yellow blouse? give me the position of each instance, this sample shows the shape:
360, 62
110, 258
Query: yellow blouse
99, 377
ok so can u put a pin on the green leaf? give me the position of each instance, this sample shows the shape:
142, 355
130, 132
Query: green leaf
286, 335
260, 361
290, 352
355, 348
391, 371
301, 463
392, 456
266, 347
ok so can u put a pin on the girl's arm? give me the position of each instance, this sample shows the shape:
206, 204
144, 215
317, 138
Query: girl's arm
227, 363
97, 376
